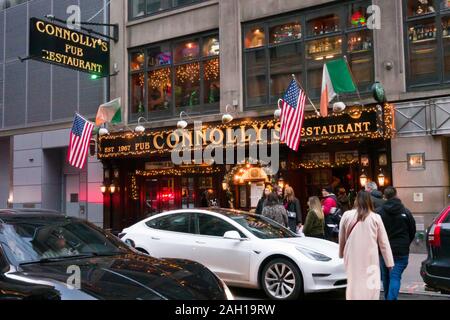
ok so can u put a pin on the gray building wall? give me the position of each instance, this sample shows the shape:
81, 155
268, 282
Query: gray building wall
37, 105
38, 95
5, 166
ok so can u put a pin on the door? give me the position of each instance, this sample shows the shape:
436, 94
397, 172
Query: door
72, 191
228, 259
160, 195
171, 236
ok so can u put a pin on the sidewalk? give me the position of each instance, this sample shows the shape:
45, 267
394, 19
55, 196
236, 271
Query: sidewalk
412, 282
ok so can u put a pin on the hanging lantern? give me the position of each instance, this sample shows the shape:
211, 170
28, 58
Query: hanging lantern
363, 180
381, 179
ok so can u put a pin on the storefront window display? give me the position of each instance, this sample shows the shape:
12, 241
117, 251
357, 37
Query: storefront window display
300, 44
427, 33
178, 75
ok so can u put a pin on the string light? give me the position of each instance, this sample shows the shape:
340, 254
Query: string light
178, 171
212, 69
134, 188
159, 78
188, 72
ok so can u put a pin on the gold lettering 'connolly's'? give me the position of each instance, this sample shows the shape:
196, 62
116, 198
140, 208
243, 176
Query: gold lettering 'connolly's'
68, 35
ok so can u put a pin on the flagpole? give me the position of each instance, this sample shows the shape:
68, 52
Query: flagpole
298, 83
353, 79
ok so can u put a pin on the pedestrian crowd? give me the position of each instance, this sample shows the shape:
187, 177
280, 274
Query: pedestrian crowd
374, 231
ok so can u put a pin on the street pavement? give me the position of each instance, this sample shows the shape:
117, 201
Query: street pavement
413, 288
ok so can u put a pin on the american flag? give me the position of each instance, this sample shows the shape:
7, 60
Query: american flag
292, 115
80, 137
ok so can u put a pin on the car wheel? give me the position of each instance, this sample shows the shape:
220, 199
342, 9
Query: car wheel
281, 280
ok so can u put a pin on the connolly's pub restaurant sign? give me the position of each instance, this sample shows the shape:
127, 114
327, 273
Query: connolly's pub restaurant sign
371, 122
68, 48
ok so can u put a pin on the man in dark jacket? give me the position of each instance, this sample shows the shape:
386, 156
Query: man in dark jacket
401, 229
375, 195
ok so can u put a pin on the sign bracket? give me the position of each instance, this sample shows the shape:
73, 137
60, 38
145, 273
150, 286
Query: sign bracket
115, 27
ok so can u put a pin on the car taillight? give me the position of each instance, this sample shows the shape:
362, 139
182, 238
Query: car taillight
434, 236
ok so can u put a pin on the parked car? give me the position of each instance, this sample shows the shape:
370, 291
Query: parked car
45, 255
244, 250
435, 269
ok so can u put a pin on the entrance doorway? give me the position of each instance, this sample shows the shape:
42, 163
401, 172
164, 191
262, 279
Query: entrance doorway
160, 195
72, 190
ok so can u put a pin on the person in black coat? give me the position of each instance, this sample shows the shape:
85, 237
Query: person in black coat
292, 205
375, 195
262, 202
401, 229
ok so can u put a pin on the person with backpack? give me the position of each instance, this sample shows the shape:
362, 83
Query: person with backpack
361, 237
331, 212
343, 200
401, 229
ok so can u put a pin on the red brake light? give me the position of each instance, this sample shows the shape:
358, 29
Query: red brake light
434, 236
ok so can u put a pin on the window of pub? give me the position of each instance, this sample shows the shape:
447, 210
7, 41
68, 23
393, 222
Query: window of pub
141, 8
177, 75
300, 44
427, 33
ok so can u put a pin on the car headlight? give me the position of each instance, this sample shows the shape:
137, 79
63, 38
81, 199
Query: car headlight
228, 293
313, 255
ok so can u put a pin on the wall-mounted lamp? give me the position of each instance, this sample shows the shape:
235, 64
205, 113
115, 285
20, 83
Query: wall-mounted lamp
103, 132
103, 188
182, 124
227, 117
112, 188
140, 128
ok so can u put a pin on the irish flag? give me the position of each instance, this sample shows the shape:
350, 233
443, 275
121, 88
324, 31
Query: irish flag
336, 79
109, 112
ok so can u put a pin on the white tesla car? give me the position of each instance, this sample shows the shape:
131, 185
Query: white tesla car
244, 250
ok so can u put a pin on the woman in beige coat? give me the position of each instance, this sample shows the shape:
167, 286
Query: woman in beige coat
361, 233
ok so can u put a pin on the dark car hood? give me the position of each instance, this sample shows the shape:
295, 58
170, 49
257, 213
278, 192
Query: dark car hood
394, 207
130, 276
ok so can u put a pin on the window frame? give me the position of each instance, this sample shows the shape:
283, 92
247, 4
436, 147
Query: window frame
344, 13
191, 223
197, 226
146, 14
173, 111
438, 16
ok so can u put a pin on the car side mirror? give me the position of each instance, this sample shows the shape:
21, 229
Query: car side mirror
130, 243
232, 235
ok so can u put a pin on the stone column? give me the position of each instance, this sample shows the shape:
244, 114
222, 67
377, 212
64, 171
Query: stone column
231, 89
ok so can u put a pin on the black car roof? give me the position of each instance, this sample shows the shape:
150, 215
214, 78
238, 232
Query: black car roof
10, 213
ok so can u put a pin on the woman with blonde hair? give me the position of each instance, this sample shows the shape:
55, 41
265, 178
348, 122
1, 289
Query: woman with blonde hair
315, 220
294, 211
361, 235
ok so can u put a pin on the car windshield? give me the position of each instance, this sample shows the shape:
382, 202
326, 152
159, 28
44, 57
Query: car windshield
262, 227
29, 240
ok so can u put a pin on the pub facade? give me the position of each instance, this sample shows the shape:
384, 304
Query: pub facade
200, 60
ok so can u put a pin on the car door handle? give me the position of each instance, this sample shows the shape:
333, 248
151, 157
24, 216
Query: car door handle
200, 242
155, 238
